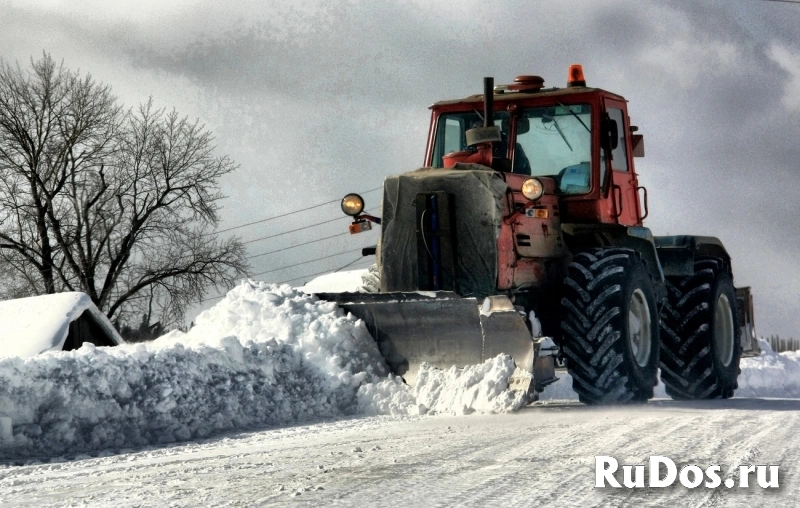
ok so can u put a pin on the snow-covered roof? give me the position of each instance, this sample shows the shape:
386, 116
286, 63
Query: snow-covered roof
29, 326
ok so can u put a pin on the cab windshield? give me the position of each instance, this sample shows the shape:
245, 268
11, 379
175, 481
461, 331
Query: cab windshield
556, 141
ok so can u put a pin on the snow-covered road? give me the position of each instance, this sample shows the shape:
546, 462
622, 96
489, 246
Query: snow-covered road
540, 456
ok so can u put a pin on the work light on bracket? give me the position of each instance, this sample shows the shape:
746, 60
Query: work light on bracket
352, 204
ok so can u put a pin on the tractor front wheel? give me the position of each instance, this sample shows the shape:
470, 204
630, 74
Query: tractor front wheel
610, 327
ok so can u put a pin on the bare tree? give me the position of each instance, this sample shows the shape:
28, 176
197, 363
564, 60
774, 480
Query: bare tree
121, 205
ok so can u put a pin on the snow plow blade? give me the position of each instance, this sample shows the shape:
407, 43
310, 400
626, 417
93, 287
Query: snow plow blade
444, 329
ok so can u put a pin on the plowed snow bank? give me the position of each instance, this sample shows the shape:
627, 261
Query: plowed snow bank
264, 355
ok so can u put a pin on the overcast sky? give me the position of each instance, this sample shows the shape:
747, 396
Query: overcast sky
317, 98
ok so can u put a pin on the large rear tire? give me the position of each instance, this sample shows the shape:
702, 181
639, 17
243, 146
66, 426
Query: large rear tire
610, 327
700, 334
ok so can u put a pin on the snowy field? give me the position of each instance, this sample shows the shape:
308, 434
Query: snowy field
275, 396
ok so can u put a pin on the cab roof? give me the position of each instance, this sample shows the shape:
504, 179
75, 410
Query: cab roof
508, 95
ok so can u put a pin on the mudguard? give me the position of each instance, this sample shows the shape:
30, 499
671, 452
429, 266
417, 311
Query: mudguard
677, 253
744, 304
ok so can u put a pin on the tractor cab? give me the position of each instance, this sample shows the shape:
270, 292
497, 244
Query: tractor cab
578, 137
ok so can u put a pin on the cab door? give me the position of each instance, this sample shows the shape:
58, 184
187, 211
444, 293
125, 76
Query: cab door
622, 191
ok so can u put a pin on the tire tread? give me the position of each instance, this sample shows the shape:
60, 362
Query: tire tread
687, 363
592, 314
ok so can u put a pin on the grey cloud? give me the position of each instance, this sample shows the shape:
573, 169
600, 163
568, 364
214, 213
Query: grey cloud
335, 96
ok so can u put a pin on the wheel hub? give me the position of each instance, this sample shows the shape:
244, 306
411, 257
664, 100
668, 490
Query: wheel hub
639, 328
723, 330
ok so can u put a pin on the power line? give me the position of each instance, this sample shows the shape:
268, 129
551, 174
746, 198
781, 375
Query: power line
293, 230
284, 214
319, 273
298, 245
294, 246
783, 1
359, 258
305, 262
348, 264
297, 229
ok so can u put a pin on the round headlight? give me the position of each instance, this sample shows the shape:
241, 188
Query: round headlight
532, 189
352, 204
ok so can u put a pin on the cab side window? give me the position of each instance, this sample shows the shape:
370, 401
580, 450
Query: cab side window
452, 135
619, 155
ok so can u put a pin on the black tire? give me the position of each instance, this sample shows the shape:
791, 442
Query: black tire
693, 364
602, 288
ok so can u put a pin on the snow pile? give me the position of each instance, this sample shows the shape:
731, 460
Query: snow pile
371, 280
389, 397
770, 375
266, 354
337, 282
482, 388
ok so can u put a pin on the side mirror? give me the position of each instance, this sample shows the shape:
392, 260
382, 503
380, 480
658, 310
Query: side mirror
523, 125
637, 142
609, 135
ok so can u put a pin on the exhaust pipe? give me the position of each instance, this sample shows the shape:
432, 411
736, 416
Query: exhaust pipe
489, 133
488, 101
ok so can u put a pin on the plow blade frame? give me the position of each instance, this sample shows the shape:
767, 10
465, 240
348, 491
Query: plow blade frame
441, 329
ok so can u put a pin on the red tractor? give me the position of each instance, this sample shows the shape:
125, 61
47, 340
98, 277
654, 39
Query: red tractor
525, 223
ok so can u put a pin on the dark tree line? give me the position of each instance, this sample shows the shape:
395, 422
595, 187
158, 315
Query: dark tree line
119, 204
